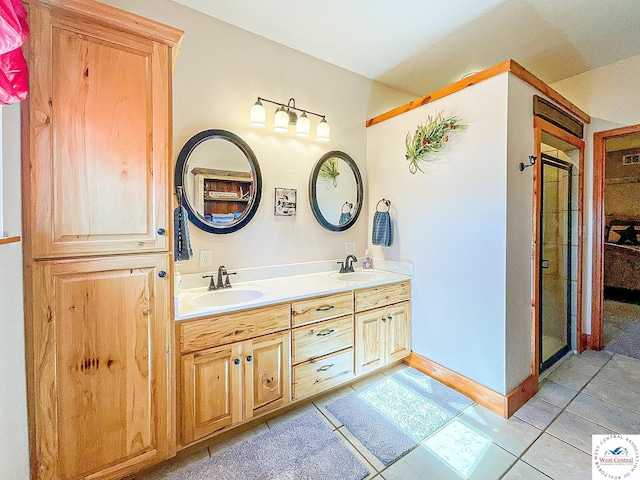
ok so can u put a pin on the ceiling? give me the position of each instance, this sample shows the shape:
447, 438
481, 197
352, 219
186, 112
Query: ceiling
418, 46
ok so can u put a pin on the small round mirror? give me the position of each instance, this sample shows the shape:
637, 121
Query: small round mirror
335, 191
220, 180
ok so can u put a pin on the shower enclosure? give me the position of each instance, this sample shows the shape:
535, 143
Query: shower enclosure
555, 260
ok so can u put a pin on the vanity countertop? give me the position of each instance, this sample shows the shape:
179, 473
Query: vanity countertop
199, 302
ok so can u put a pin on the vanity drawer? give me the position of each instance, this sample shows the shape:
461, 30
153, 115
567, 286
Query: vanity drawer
382, 295
322, 373
232, 327
321, 338
321, 308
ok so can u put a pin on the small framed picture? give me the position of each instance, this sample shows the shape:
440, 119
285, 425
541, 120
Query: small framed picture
285, 202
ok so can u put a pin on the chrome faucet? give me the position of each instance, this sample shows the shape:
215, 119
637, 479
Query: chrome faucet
347, 265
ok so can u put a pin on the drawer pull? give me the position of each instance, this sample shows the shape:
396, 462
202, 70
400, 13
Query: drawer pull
324, 333
324, 368
236, 361
326, 308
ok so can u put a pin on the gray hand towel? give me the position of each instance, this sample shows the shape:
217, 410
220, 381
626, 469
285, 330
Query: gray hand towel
344, 218
181, 241
382, 229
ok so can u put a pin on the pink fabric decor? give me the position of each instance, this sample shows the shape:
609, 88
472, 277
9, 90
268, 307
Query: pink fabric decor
14, 77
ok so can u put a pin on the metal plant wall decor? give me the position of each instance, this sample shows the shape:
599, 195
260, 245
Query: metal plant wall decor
429, 138
329, 172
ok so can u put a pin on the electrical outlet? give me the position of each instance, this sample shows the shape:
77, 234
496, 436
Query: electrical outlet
350, 248
205, 258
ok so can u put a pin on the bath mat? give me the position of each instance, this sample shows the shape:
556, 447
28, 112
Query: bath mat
303, 448
397, 413
626, 342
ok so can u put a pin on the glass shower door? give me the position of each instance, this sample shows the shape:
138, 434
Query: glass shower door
555, 261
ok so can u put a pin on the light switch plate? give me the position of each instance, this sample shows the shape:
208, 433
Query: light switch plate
205, 258
350, 248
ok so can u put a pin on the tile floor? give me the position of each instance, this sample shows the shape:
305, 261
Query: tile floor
549, 437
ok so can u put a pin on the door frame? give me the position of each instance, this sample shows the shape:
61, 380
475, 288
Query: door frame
539, 126
597, 291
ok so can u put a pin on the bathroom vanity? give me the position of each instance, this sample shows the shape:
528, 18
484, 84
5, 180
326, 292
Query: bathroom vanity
303, 336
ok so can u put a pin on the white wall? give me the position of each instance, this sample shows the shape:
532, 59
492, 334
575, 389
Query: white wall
451, 223
220, 73
14, 449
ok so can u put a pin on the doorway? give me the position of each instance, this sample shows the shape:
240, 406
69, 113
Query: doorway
558, 184
616, 240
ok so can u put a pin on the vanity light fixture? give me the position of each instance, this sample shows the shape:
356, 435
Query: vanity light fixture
286, 115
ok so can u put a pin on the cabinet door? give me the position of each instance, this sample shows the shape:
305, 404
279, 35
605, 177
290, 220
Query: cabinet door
369, 341
211, 391
98, 138
101, 339
266, 374
398, 325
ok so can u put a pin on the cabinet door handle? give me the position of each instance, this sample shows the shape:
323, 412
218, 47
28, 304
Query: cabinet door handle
324, 368
236, 361
161, 231
384, 320
390, 318
324, 333
249, 358
162, 274
325, 308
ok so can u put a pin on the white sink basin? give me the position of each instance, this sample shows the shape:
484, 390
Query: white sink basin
223, 298
358, 276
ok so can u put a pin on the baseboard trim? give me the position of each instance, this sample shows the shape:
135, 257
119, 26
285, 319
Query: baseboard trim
503, 405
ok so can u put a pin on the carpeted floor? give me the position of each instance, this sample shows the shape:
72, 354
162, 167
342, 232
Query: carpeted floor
393, 416
304, 448
622, 328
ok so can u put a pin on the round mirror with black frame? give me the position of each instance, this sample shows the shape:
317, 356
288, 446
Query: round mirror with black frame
220, 180
335, 191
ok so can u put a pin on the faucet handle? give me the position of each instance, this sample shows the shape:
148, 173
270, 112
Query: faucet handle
342, 269
227, 284
212, 282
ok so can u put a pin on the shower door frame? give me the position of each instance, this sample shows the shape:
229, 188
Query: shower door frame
540, 125
551, 161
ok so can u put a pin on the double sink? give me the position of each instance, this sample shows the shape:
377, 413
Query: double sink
198, 301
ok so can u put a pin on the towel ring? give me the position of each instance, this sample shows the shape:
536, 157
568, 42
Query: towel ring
346, 204
386, 202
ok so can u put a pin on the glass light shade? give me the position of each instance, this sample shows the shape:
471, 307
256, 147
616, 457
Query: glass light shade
323, 131
303, 126
258, 116
281, 121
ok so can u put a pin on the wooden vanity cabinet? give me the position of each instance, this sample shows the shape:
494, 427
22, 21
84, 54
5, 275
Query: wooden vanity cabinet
383, 334
228, 383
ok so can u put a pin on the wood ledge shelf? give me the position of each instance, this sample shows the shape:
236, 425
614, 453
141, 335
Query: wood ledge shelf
503, 67
7, 240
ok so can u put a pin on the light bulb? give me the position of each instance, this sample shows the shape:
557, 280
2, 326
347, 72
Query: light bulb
281, 121
303, 125
323, 131
258, 115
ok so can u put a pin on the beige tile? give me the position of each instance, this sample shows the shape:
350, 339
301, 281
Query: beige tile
322, 402
513, 434
297, 412
420, 463
569, 378
582, 365
614, 394
598, 357
524, 471
555, 393
230, 442
576, 430
605, 414
370, 457
369, 381
538, 413
395, 369
558, 460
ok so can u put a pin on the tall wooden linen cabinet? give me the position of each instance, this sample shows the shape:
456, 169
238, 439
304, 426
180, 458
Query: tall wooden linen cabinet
97, 140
